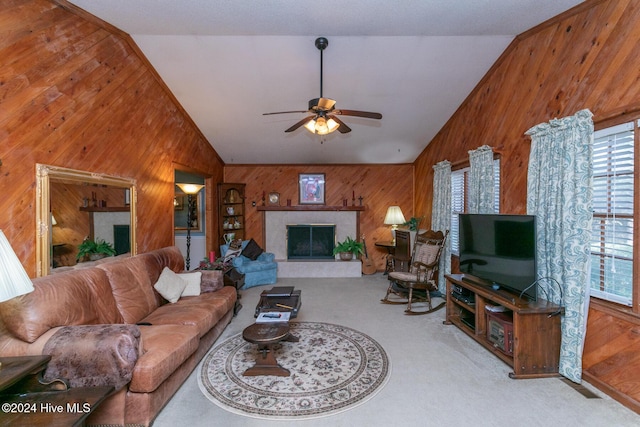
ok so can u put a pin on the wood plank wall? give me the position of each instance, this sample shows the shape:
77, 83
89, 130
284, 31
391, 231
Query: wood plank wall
588, 57
75, 92
380, 186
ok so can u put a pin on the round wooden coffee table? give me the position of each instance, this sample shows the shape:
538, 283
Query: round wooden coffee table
265, 335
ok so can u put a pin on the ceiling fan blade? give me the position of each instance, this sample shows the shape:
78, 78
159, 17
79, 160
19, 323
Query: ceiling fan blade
300, 123
367, 114
285, 112
342, 128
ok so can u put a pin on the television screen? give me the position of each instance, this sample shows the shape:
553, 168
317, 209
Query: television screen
500, 250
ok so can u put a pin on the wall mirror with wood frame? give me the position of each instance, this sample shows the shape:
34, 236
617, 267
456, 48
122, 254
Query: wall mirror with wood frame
74, 205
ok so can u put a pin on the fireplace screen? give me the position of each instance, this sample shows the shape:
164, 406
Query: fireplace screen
310, 241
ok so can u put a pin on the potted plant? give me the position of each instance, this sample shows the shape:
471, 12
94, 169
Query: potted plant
348, 248
413, 223
94, 249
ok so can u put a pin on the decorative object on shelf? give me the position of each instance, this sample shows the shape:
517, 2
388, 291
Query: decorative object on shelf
394, 218
95, 249
311, 188
14, 281
231, 210
229, 237
190, 190
348, 248
274, 198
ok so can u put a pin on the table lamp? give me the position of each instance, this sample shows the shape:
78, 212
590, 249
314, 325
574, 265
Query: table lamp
190, 190
394, 218
14, 281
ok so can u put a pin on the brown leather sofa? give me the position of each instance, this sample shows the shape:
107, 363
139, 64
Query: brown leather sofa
152, 352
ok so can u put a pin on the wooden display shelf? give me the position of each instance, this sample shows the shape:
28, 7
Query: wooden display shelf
536, 327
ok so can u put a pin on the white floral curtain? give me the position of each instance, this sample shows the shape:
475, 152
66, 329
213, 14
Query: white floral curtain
481, 177
559, 193
441, 215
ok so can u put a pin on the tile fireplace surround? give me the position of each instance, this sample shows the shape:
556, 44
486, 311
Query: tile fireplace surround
276, 219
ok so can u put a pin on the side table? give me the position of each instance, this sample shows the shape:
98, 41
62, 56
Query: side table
391, 249
233, 277
265, 335
27, 401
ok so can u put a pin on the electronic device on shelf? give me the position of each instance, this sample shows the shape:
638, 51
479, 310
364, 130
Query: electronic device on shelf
500, 330
463, 294
499, 251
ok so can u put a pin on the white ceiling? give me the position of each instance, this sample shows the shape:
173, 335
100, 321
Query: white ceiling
414, 61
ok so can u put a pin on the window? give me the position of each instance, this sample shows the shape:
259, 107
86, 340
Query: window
459, 190
613, 214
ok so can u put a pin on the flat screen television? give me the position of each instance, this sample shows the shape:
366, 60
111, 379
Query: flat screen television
500, 251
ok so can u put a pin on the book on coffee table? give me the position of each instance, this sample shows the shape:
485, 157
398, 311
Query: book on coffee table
279, 291
273, 316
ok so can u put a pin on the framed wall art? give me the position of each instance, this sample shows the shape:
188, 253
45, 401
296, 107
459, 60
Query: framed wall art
311, 188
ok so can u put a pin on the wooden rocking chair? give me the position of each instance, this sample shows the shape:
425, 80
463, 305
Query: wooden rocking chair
422, 275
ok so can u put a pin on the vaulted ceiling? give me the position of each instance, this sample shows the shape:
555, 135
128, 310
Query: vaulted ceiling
413, 61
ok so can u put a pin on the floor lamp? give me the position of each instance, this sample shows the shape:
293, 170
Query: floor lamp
190, 190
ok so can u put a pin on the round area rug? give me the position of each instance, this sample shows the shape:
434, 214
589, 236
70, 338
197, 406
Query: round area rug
333, 368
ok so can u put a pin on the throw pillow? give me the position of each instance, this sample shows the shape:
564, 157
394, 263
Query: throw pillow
252, 250
170, 285
193, 284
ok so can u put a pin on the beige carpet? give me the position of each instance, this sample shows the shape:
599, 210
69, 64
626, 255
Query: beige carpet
440, 376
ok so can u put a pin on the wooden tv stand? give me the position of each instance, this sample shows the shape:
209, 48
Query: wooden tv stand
536, 326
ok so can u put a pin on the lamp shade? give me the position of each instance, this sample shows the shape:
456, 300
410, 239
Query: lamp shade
14, 281
394, 216
190, 188
321, 125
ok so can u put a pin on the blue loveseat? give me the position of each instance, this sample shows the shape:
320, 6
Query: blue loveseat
262, 271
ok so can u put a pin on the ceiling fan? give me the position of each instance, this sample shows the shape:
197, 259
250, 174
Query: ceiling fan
323, 119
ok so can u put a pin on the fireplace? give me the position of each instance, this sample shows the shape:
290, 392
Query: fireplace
310, 241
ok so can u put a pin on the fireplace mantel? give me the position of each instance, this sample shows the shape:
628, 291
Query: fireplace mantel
316, 208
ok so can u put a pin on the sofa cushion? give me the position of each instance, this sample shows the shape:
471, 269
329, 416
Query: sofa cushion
202, 312
166, 347
132, 288
81, 297
170, 285
193, 284
93, 356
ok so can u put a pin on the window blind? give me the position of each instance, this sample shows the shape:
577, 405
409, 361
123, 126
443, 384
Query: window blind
612, 233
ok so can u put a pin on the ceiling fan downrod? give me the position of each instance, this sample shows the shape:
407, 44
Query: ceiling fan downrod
321, 44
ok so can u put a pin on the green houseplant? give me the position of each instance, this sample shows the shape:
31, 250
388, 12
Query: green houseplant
94, 249
348, 248
413, 223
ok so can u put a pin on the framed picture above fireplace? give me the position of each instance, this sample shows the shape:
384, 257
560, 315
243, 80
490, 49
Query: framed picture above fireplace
311, 188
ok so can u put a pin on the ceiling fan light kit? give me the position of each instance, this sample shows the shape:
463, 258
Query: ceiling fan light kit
323, 120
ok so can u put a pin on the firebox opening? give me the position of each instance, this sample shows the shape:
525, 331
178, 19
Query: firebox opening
310, 241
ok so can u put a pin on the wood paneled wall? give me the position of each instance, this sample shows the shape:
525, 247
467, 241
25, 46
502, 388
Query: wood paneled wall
76, 92
379, 185
588, 57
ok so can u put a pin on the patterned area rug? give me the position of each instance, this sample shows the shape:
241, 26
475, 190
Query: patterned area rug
333, 369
